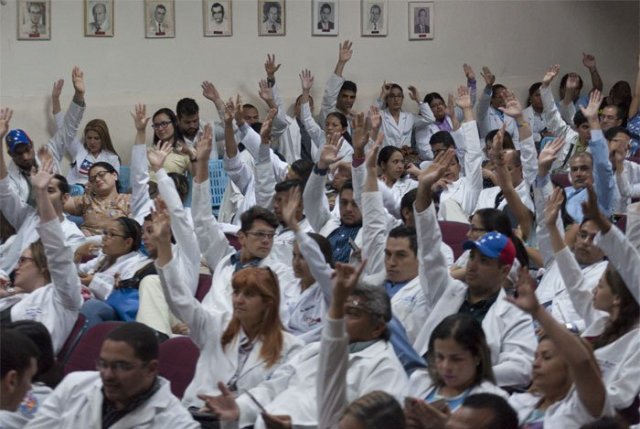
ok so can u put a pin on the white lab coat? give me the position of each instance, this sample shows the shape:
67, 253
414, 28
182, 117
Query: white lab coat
509, 331
57, 304
489, 118
421, 384
293, 388
216, 363
77, 403
398, 134
318, 136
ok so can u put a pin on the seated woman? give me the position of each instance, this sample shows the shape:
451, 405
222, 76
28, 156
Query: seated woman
165, 126
46, 273
567, 390
395, 181
238, 350
459, 364
117, 263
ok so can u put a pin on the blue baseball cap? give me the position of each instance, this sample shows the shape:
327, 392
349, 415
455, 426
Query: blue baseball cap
495, 246
15, 138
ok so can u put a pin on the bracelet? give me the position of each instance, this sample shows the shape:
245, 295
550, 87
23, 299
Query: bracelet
320, 171
193, 159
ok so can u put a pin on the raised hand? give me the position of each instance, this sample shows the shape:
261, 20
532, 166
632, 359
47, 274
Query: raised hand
436, 169
384, 90
57, 89
161, 233
573, 81
468, 72
548, 155
5, 119
345, 52
157, 155
525, 298
372, 156
270, 66
239, 115
414, 94
44, 155
589, 61
224, 406
375, 118
551, 73
209, 91
265, 129
360, 136
306, 80
489, 78
512, 107
205, 144
553, 206
290, 209
77, 77
40, 178
592, 211
229, 111
140, 118
591, 111
265, 91
345, 280
463, 100
330, 150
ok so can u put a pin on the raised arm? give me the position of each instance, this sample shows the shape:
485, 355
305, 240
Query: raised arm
265, 177
589, 61
473, 152
513, 109
140, 201
5, 120
484, 102
239, 173
583, 367
334, 84
425, 116
56, 107
333, 360
374, 231
471, 82
634, 107
315, 131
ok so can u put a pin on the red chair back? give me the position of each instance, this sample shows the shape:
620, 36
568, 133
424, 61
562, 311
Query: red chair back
233, 240
77, 331
454, 234
177, 363
562, 179
84, 355
204, 284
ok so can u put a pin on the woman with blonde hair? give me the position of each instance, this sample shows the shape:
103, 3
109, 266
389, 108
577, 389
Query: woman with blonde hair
238, 349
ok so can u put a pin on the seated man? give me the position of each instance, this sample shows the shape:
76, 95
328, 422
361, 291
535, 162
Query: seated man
372, 365
125, 390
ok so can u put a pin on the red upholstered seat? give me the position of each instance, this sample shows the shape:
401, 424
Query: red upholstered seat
454, 234
204, 284
178, 358
84, 355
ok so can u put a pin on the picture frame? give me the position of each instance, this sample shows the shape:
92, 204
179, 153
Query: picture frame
374, 17
421, 20
34, 20
99, 18
159, 19
324, 17
217, 18
271, 18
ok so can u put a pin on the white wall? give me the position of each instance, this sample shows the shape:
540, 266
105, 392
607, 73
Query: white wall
518, 39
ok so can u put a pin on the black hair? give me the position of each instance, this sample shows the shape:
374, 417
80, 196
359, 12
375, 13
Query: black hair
345, 186
216, 4
132, 230
325, 247
177, 134
325, 6
495, 88
349, 85
285, 185
63, 184
532, 90
504, 416
303, 168
182, 185
407, 232
267, 6
385, 154
579, 118
110, 168
407, 201
49, 372
621, 112
257, 213
344, 123
249, 106
563, 83
140, 337
443, 137
614, 131
16, 351
507, 142
187, 107
433, 96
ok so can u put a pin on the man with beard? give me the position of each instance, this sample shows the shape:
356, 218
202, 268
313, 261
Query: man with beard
191, 126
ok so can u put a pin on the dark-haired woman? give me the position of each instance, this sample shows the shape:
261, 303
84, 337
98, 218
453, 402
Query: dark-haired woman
165, 129
394, 180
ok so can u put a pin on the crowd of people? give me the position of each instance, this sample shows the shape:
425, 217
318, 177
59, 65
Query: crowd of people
338, 296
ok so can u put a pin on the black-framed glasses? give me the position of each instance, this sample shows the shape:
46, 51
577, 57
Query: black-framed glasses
159, 125
112, 234
261, 235
23, 259
99, 175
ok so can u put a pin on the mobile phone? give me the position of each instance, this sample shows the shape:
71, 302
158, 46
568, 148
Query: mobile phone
353, 245
255, 401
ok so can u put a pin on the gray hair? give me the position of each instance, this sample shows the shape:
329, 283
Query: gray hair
376, 301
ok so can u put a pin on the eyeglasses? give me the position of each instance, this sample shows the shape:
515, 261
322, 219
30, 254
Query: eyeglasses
100, 175
117, 366
23, 259
159, 125
112, 234
261, 235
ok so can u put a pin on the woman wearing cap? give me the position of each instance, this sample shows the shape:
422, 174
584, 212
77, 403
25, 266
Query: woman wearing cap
96, 145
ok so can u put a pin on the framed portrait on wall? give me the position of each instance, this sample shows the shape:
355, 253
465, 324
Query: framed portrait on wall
421, 21
98, 18
374, 17
159, 19
324, 17
271, 18
217, 18
34, 20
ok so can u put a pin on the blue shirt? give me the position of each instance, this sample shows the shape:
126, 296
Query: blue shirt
339, 240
